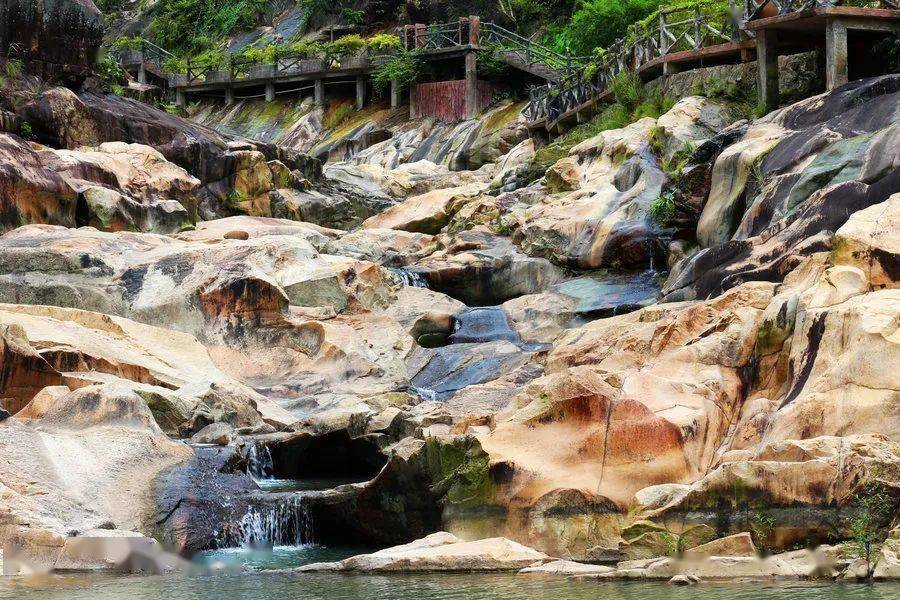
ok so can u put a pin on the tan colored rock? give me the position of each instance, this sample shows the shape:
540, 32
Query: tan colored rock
838, 352
426, 213
870, 240
566, 568
690, 122
739, 544
88, 463
888, 565
440, 552
168, 369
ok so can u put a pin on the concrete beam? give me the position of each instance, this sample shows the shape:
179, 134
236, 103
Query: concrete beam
270, 92
360, 92
319, 92
395, 93
471, 85
767, 66
836, 67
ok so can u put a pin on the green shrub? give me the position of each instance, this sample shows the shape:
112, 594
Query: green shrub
14, 68
384, 43
874, 507
598, 23
110, 73
353, 16
25, 131
197, 25
662, 209
264, 56
175, 65
128, 43
349, 45
490, 63
404, 67
305, 49
627, 89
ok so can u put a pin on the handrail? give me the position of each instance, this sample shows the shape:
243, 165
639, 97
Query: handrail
669, 35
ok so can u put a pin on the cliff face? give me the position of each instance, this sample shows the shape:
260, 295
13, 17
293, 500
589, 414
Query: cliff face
58, 39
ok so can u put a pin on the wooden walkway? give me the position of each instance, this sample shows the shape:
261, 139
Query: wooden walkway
688, 38
290, 73
679, 39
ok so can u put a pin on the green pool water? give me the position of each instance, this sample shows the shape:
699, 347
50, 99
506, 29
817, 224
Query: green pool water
281, 586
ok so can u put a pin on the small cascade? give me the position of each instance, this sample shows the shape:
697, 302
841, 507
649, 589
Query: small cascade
410, 278
259, 462
286, 522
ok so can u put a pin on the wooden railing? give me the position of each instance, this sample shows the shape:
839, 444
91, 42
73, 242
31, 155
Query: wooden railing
762, 8
470, 31
237, 68
147, 52
676, 30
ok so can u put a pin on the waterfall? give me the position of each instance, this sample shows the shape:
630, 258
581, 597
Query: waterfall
259, 462
285, 523
410, 278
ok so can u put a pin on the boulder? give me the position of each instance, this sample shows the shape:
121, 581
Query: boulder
440, 552
689, 123
217, 434
170, 372
87, 464
482, 268
426, 213
566, 568
870, 240
825, 158
29, 191
597, 214
739, 544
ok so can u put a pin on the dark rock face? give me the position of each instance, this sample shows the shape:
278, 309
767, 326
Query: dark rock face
62, 119
838, 156
59, 39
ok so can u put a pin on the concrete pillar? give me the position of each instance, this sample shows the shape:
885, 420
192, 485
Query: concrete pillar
229, 95
180, 100
142, 74
836, 70
360, 92
471, 85
319, 92
270, 92
767, 66
412, 102
395, 93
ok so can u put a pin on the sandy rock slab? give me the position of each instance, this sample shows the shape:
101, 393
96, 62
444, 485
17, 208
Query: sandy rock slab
440, 551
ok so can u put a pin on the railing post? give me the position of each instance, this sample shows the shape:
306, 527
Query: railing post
475, 31
662, 33
421, 35
698, 29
